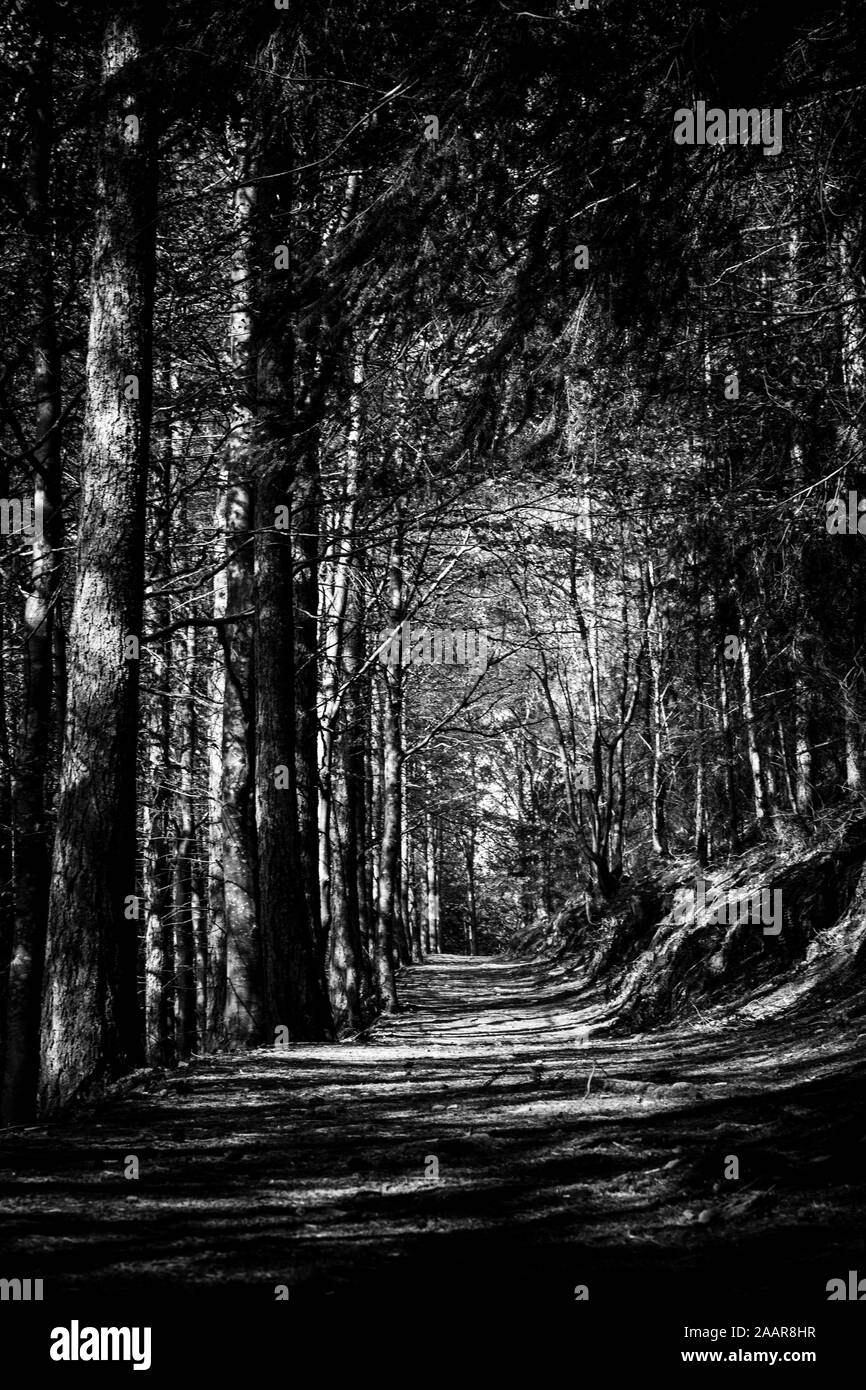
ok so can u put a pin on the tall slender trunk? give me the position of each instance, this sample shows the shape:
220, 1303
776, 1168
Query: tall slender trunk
377, 782
285, 640
759, 787
359, 711
216, 901
184, 850
366, 823
790, 791
405, 920
853, 321
412, 904
31, 833
440, 858
305, 524
655, 646
733, 805
424, 914
6, 885
346, 759
469, 854
389, 857
407, 879
90, 1025
339, 735
700, 816
390, 850
159, 942
433, 868
243, 1017
344, 942
198, 907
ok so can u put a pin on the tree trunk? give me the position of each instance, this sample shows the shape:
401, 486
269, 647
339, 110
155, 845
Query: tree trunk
304, 514
159, 942
759, 790
243, 1018
199, 936
345, 952
700, 816
729, 754
90, 1010
433, 880
853, 356
655, 648
425, 864
412, 904
182, 885
359, 711
285, 647
216, 902
31, 834
344, 942
469, 850
390, 850
407, 882
392, 756
853, 779
341, 736
6, 904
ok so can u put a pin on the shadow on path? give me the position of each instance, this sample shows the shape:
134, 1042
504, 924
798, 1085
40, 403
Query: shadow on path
488, 1136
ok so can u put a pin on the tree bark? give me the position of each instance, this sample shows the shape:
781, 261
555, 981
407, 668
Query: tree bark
216, 900
6, 858
389, 855
655, 648
759, 788
432, 885
159, 944
728, 745
285, 643
243, 1018
90, 1024
390, 850
184, 850
32, 847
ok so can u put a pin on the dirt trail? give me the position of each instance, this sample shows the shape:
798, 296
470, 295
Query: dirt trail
565, 1154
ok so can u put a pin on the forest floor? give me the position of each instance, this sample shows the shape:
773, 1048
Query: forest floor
566, 1152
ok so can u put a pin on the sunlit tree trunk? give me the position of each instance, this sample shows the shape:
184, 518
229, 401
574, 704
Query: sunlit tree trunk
243, 1018
158, 938
722, 680
853, 326
338, 738
432, 867
389, 856
216, 903
90, 1023
655, 648
759, 789
358, 774
853, 777
390, 849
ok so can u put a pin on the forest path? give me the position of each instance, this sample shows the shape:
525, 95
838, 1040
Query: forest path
561, 1157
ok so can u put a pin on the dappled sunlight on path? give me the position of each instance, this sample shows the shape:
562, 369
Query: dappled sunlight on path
489, 1125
